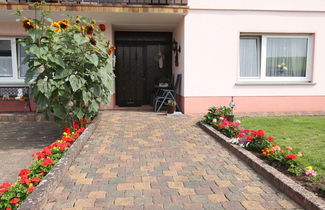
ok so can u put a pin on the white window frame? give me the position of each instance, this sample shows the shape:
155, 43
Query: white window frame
263, 77
15, 79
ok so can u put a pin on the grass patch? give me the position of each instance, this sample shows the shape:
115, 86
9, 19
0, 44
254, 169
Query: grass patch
304, 134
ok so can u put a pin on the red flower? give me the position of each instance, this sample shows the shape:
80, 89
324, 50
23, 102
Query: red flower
102, 27
31, 189
67, 139
240, 135
14, 200
5, 187
47, 161
249, 138
39, 155
244, 131
67, 130
36, 179
47, 151
260, 133
25, 181
84, 121
82, 129
292, 157
23, 174
8, 208
75, 125
64, 145
271, 139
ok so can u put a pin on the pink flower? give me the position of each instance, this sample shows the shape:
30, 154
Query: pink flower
276, 148
217, 111
311, 173
214, 120
299, 154
221, 118
288, 148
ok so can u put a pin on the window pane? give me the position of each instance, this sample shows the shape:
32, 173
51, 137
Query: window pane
22, 67
5, 58
286, 57
249, 57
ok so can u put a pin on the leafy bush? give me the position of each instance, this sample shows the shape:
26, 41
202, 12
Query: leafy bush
216, 113
227, 128
72, 63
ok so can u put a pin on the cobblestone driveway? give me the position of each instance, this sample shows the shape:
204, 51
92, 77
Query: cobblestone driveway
143, 160
18, 141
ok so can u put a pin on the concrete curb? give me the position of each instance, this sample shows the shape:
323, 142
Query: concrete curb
39, 197
296, 192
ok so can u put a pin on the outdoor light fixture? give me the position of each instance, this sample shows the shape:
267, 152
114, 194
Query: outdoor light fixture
176, 49
232, 103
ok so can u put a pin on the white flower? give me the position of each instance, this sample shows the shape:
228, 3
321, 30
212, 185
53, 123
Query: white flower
279, 66
221, 118
214, 120
66, 79
45, 78
285, 68
238, 121
41, 69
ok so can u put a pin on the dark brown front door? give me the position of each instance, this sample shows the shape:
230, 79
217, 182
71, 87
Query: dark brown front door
137, 66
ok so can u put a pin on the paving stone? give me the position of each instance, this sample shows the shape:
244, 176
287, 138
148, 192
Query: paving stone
141, 160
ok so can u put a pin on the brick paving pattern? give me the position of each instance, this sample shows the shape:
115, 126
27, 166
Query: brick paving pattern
144, 160
18, 141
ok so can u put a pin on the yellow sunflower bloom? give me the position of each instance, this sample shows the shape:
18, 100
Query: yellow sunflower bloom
57, 26
64, 24
28, 24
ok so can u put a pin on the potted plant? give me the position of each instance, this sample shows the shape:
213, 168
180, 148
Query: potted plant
171, 106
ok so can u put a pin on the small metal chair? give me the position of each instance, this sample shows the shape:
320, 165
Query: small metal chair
164, 95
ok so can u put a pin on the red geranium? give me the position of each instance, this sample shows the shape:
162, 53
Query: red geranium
25, 181
47, 161
36, 179
241, 135
67, 130
8, 208
75, 125
67, 139
249, 138
31, 189
5, 187
14, 200
271, 139
47, 151
292, 157
24, 173
64, 145
259, 133
84, 121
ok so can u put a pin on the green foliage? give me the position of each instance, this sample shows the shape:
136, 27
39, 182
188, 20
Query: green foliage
72, 62
216, 112
304, 134
258, 143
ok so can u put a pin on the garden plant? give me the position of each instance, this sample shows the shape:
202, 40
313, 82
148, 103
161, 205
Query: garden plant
284, 157
71, 75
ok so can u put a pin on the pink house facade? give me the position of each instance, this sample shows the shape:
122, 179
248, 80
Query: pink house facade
267, 56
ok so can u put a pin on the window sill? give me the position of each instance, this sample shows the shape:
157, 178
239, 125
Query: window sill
273, 83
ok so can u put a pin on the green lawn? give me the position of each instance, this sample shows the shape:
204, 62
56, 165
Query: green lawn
304, 134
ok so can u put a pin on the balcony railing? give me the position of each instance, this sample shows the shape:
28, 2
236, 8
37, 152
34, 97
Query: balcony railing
113, 2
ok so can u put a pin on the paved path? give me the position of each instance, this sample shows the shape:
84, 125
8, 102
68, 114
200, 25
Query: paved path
144, 160
18, 141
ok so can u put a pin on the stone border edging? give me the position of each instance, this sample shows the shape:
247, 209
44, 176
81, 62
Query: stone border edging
296, 192
38, 198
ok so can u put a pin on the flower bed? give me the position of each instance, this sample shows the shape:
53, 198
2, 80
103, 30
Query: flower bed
12, 195
262, 146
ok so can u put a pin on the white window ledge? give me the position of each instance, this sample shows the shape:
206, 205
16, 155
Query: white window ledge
244, 83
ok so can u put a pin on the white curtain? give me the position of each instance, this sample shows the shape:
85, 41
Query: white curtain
5, 66
249, 57
23, 67
291, 53
5, 58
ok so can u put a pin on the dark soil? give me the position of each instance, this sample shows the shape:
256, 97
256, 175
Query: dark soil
318, 188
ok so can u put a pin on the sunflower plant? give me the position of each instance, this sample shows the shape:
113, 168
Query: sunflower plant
69, 64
